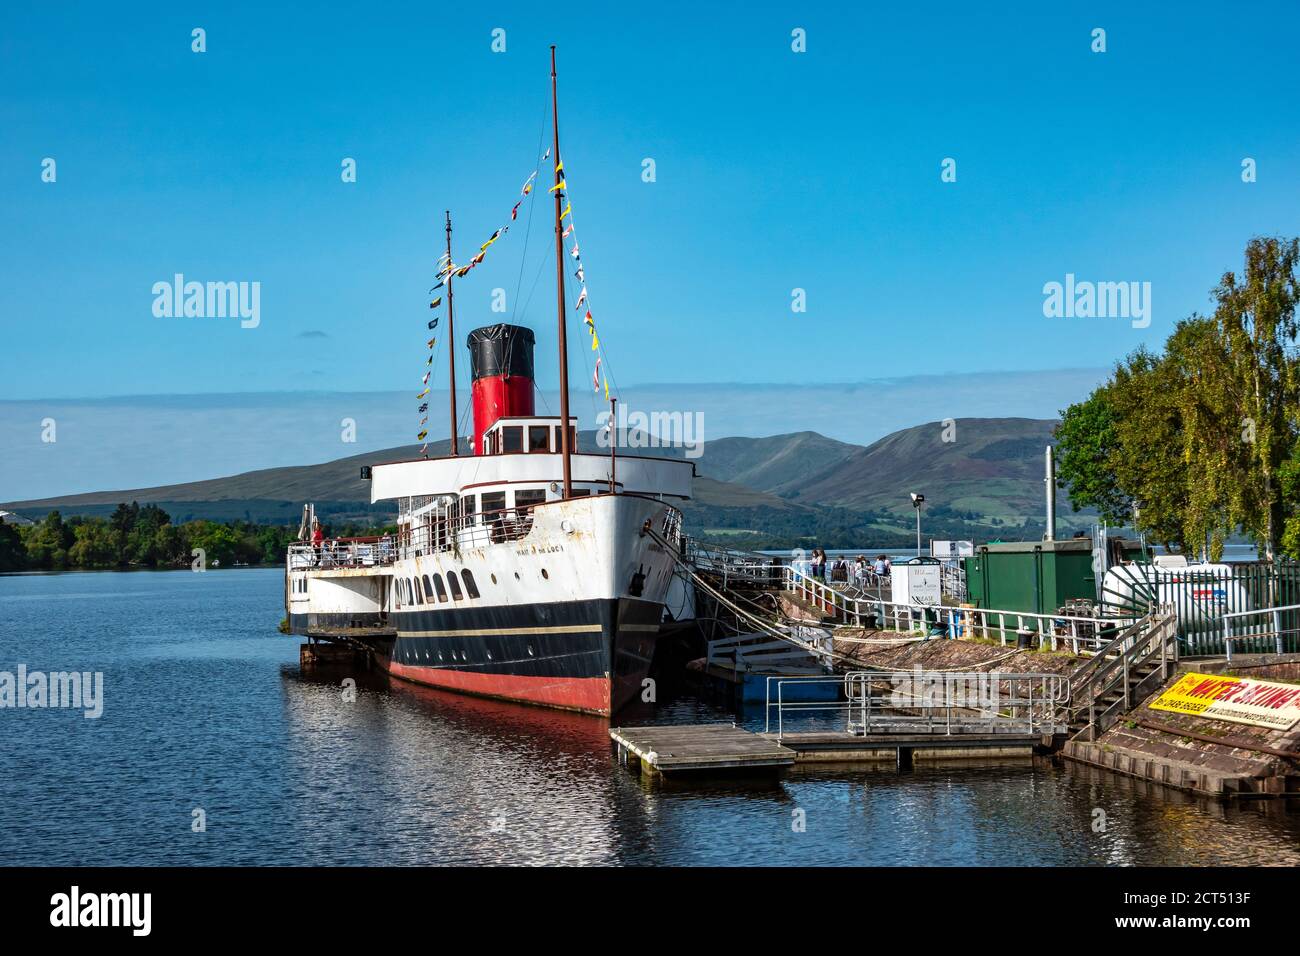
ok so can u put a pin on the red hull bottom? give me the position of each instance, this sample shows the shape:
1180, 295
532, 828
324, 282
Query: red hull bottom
589, 695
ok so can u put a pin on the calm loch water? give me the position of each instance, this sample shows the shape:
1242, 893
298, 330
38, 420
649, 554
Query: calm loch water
205, 710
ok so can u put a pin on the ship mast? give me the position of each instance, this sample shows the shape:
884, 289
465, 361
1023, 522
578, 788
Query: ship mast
565, 449
451, 342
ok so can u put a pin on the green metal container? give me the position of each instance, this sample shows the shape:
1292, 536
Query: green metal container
1034, 576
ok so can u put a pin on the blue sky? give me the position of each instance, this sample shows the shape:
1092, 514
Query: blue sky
775, 171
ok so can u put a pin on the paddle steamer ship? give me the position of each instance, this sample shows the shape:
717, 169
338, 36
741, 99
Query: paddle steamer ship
525, 570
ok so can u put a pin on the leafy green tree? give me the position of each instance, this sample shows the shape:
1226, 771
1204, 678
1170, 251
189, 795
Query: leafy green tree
1148, 460
220, 543
13, 552
124, 518
97, 544
1256, 316
1087, 441
170, 545
48, 543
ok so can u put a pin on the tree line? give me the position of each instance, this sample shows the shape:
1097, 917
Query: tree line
141, 536
1201, 440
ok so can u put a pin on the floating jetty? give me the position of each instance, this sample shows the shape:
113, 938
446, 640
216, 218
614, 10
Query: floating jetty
715, 748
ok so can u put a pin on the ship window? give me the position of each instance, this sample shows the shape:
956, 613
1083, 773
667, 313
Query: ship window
428, 590
493, 501
470, 587
419, 592
556, 430
581, 492
512, 438
530, 497
455, 586
539, 438
442, 591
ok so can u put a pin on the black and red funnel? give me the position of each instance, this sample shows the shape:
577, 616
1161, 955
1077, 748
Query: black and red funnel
501, 369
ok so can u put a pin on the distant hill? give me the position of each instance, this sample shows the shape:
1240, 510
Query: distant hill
781, 464
781, 487
994, 467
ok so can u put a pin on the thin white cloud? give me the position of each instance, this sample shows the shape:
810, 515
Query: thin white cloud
154, 440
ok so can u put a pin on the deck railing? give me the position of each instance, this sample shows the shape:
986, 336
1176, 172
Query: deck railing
1051, 630
344, 553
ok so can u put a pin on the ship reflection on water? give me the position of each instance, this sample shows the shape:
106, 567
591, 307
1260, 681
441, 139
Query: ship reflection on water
206, 708
447, 778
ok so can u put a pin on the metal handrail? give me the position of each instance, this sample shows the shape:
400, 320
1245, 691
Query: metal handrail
1033, 703
342, 553
1274, 612
1155, 635
952, 620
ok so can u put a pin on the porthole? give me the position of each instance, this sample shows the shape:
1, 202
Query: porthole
545, 575
489, 654
530, 651
494, 579
516, 575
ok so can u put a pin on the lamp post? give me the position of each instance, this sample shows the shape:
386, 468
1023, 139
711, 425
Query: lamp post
917, 501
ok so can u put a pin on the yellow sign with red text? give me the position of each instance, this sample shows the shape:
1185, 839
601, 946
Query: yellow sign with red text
1238, 699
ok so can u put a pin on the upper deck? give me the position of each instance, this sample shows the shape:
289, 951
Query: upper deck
520, 452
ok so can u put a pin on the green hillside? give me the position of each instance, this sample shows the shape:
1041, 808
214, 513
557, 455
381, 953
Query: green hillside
784, 490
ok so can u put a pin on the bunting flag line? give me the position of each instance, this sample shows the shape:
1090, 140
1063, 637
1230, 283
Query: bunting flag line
422, 394
514, 213
433, 305
580, 273
424, 407
560, 185
422, 436
425, 380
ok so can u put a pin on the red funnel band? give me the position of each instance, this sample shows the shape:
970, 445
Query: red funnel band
501, 367
501, 396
